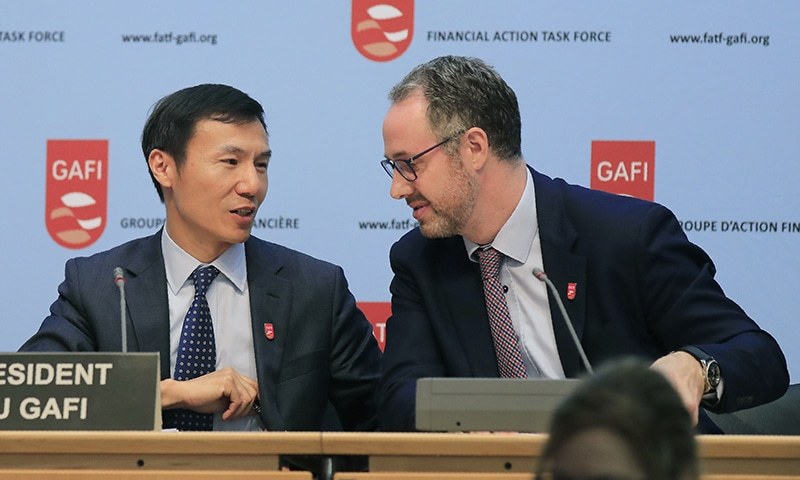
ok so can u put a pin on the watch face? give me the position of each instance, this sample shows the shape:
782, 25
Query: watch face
713, 374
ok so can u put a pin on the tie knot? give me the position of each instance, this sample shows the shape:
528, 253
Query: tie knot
202, 278
489, 260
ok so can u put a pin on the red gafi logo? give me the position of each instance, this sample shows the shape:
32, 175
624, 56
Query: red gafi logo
382, 29
377, 313
624, 167
77, 191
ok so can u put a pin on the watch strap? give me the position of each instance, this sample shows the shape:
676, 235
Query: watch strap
710, 393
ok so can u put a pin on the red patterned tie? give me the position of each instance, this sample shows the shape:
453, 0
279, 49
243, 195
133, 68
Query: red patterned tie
509, 359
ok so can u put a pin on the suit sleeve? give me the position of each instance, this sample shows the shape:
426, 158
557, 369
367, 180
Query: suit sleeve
66, 328
355, 362
411, 350
686, 306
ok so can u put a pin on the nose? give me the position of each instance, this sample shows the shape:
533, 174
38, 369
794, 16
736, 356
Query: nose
401, 188
251, 181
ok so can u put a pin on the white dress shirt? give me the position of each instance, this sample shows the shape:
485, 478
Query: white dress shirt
229, 303
527, 300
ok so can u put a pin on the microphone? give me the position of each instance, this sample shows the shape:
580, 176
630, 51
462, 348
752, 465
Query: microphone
540, 275
119, 281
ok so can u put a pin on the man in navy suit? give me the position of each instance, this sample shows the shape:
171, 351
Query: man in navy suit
631, 281
290, 341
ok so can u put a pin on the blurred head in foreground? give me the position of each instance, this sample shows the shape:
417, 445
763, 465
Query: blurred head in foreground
625, 423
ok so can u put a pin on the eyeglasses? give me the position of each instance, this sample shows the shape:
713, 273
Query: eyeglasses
405, 166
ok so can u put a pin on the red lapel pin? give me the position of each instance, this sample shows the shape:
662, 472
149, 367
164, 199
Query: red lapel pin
571, 290
269, 331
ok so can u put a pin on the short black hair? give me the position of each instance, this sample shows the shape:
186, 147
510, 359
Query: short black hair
172, 122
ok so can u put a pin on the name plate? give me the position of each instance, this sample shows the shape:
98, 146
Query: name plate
80, 391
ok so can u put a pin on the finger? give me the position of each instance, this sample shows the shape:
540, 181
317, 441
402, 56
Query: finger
242, 396
250, 386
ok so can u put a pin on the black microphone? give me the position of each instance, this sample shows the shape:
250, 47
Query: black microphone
119, 280
539, 274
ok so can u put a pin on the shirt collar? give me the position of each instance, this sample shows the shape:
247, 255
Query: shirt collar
516, 236
179, 264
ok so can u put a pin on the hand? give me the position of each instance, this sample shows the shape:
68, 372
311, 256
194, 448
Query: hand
223, 391
686, 375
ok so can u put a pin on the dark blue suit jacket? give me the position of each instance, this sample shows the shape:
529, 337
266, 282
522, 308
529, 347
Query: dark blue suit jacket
642, 289
323, 349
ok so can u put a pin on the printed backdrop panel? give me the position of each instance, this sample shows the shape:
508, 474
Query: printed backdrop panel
692, 105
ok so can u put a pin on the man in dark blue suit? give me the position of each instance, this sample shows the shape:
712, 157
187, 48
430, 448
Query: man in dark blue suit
289, 339
631, 281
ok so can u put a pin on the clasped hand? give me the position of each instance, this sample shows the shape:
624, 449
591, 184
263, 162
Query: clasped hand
223, 391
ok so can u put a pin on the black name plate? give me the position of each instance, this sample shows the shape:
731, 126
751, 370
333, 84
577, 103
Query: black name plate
79, 391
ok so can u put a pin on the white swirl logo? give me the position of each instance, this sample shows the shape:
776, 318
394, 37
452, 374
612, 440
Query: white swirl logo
382, 30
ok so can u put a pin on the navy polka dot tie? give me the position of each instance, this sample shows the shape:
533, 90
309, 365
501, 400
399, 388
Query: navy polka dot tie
509, 358
197, 351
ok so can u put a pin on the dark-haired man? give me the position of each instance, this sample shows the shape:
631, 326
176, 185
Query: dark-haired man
282, 334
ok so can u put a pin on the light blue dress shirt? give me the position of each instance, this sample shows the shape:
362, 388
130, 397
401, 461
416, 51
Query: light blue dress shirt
229, 302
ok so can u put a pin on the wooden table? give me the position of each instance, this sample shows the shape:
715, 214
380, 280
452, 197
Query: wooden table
518, 453
137, 453
142, 451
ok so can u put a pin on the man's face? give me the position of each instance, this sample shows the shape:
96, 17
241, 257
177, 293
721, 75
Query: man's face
444, 194
212, 199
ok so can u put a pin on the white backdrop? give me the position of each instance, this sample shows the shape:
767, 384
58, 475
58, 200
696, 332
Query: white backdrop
712, 84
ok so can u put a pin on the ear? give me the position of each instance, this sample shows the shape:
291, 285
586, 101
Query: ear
162, 166
477, 148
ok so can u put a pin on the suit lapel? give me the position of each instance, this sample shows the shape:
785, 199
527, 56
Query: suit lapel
463, 294
563, 267
147, 302
148, 313
270, 308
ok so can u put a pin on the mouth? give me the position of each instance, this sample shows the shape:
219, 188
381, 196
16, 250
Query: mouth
416, 202
244, 212
418, 208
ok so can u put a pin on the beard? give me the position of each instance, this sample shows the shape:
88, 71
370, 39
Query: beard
453, 209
